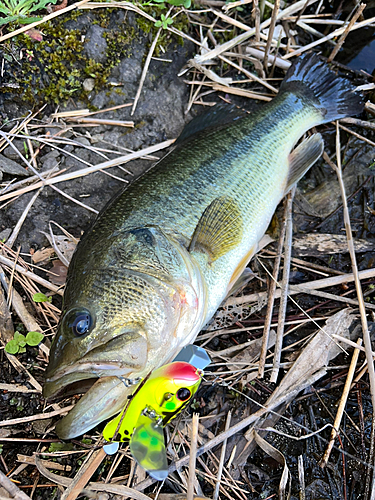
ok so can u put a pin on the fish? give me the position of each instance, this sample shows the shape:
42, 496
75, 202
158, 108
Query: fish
162, 255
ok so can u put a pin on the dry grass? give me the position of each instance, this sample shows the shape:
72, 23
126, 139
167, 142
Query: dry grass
238, 366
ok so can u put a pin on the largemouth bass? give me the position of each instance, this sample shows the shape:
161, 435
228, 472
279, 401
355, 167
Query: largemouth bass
162, 256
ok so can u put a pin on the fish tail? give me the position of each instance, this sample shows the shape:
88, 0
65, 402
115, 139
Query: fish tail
333, 95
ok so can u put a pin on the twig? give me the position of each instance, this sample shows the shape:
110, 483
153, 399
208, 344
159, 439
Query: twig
105, 487
12, 238
312, 285
284, 285
301, 477
271, 297
244, 36
32, 418
32, 276
89, 170
193, 456
145, 68
334, 34
11, 488
364, 139
362, 310
361, 7
248, 74
341, 408
103, 121
84, 474
222, 457
275, 12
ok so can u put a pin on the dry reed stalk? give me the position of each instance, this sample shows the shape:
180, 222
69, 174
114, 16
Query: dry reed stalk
193, 456
341, 408
12, 238
32, 418
248, 74
241, 92
275, 12
334, 34
364, 139
103, 121
362, 310
284, 284
84, 474
89, 170
222, 457
12, 488
225, 47
360, 8
271, 297
86, 112
145, 67
310, 285
9, 263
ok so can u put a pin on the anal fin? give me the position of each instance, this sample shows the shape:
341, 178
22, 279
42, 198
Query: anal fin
302, 158
219, 229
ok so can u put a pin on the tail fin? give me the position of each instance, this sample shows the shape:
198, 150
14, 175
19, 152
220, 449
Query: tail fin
333, 95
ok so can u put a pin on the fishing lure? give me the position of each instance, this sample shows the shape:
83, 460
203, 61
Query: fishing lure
159, 400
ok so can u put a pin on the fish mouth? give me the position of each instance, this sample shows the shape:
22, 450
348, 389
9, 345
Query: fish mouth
124, 356
67, 377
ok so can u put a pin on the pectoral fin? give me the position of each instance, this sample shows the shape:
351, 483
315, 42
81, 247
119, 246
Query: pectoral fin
302, 158
219, 230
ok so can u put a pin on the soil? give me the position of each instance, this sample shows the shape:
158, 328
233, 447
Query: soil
160, 115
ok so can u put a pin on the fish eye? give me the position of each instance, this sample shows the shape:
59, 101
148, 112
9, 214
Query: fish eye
79, 321
183, 394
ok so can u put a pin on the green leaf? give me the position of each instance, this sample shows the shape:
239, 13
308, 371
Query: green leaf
158, 24
12, 347
34, 338
29, 20
22, 349
20, 339
40, 297
60, 447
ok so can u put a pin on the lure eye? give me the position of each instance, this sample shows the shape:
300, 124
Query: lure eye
183, 394
79, 321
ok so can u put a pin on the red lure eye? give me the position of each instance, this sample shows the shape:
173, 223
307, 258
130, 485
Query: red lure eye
183, 394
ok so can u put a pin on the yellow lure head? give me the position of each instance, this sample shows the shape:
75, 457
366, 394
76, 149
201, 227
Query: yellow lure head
165, 393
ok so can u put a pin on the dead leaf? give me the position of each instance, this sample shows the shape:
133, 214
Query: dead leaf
316, 244
42, 256
59, 271
64, 244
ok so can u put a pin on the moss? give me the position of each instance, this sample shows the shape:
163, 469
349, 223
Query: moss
53, 70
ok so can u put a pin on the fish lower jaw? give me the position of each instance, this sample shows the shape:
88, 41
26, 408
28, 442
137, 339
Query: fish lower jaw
59, 381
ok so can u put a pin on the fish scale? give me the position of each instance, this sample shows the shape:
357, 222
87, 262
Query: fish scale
176, 241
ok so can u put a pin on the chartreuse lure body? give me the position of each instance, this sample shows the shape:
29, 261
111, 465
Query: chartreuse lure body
160, 399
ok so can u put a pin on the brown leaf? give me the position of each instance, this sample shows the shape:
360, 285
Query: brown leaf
60, 272
42, 256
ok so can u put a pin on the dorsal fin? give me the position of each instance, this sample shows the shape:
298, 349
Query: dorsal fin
221, 114
302, 158
219, 230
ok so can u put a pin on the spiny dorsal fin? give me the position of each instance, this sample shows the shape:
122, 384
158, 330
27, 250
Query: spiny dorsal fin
219, 229
221, 114
302, 158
